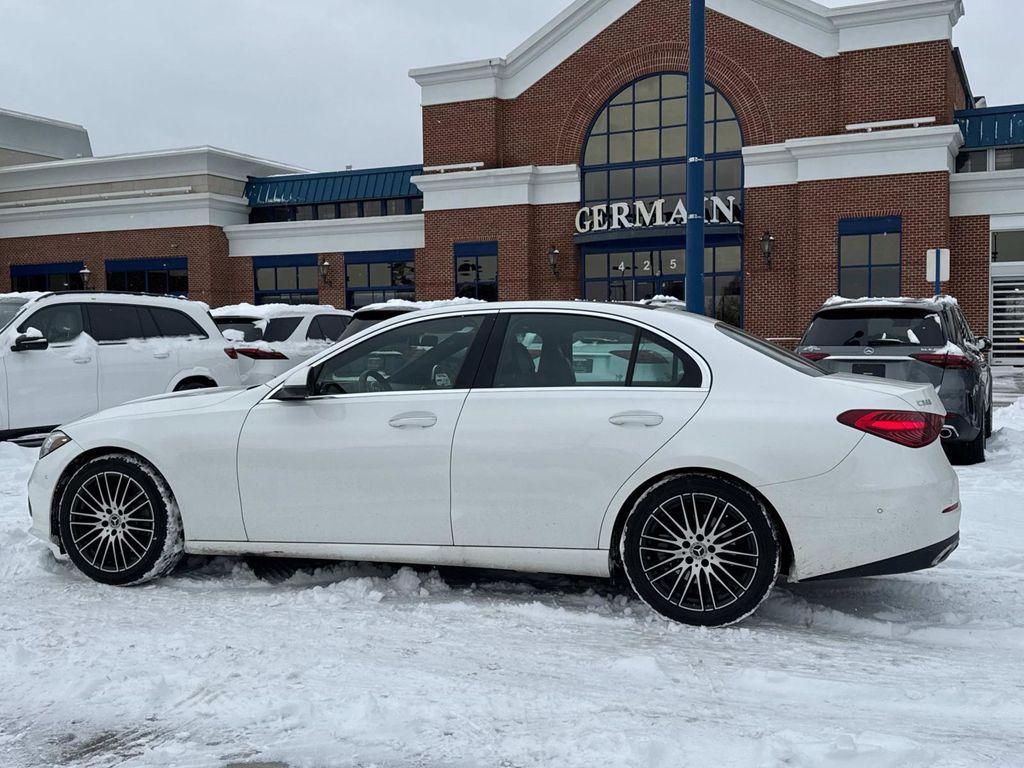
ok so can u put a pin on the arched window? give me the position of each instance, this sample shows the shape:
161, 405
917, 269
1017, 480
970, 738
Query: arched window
636, 150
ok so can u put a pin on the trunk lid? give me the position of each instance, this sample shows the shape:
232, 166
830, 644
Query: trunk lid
919, 396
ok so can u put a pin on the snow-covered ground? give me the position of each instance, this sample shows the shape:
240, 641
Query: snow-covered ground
370, 666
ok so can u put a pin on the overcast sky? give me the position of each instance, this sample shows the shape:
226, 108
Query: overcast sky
315, 83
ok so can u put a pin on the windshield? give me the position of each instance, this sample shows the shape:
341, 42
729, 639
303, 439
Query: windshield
876, 328
9, 308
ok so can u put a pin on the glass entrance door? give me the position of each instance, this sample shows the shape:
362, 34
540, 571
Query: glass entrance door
637, 274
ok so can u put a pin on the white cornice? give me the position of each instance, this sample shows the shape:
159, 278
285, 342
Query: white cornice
190, 161
492, 187
804, 23
377, 233
852, 155
996, 193
190, 210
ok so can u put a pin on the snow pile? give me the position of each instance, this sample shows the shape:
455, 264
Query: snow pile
361, 665
268, 311
895, 301
406, 304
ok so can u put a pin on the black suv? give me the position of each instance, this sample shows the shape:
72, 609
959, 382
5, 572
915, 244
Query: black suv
921, 341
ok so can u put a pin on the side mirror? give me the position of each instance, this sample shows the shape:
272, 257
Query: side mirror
297, 386
984, 343
28, 342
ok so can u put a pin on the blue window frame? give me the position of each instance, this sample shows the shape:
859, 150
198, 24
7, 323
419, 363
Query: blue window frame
870, 257
476, 270
286, 279
162, 276
636, 147
374, 276
61, 276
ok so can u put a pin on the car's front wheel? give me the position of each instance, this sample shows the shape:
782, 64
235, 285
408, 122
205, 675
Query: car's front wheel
118, 521
700, 549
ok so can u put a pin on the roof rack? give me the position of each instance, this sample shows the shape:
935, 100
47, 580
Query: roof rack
116, 293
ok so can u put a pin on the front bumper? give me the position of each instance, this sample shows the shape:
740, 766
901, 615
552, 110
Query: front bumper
882, 503
43, 484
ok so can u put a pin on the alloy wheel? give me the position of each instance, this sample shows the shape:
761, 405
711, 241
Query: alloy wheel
112, 522
699, 552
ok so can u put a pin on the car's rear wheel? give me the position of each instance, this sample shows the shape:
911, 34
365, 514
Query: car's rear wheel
118, 521
701, 550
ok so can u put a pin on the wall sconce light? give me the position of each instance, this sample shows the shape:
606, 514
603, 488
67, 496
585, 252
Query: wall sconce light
84, 273
324, 266
767, 246
553, 254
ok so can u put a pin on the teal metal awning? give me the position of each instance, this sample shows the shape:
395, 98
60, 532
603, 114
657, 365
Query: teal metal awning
992, 126
335, 187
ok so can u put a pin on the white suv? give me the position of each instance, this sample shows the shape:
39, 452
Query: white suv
270, 339
64, 356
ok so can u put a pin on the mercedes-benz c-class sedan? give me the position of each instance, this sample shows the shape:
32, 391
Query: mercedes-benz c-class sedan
574, 438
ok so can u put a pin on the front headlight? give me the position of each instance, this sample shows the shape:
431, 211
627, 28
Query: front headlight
53, 441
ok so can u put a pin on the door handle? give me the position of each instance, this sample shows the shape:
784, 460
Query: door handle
636, 419
413, 420
82, 360
161, 355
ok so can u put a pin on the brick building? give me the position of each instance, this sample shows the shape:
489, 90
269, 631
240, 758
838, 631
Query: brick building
842, 145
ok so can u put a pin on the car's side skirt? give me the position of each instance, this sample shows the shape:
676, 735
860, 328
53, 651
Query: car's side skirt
577, 562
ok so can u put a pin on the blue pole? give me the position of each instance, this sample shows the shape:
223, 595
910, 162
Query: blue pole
938, 271
695, 163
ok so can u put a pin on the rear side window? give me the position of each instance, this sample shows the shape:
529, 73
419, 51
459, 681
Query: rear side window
767, 349
327, 327
59, 324
566, 350
862, 328
115, 322
280, 328
171, 322
248, 328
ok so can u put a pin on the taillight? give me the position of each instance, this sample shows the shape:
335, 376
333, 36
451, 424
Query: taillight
943, 360
255, 353
814, 356
231, 352
910, 428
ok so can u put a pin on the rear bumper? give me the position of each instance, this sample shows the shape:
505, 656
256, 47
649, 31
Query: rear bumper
963, 431
918, 560
883, 503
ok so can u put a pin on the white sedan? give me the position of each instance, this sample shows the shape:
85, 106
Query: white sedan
544, 436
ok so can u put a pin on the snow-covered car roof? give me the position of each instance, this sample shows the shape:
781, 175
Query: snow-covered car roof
933, 303
268, 311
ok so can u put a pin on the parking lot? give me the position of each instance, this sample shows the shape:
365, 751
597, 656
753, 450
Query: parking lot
372, 666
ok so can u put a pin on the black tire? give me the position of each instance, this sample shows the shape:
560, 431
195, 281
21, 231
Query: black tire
118, 521
988, 421
663, 578
965, 454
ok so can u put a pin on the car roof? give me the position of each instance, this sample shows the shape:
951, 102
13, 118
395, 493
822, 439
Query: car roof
929, 304
118, 297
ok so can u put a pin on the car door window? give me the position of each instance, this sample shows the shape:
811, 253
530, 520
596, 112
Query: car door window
563, 350
419, 356
59, 324
115, 322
